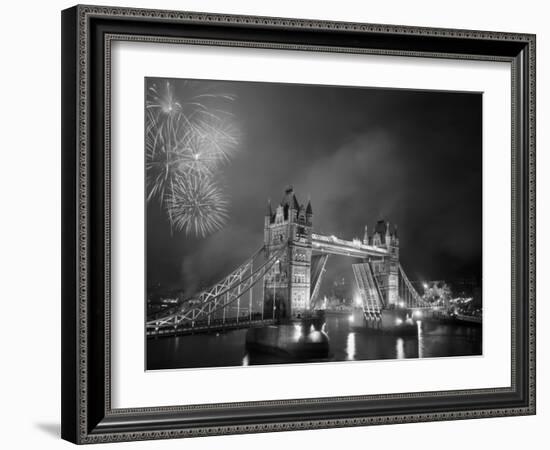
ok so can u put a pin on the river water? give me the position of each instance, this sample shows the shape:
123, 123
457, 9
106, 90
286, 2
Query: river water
347, 343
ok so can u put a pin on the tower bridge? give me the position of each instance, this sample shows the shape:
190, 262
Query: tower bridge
281, 280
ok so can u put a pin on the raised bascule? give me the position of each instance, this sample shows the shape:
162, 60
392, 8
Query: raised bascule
280, 282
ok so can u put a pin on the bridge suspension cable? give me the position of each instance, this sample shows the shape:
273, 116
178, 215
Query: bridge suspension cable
408, 293
318, 270
219, 296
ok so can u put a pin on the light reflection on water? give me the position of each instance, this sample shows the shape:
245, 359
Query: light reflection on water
420, 339
347, 342
399, 349
350, 346
297, 331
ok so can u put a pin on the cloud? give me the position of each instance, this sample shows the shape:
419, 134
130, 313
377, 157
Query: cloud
216, 257
354, 185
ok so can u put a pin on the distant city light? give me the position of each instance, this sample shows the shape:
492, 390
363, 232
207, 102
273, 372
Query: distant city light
425, 285
358, 301
398, 321
401, 304
351, 318
417, 314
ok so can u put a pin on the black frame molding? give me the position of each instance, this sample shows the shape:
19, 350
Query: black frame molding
87, 34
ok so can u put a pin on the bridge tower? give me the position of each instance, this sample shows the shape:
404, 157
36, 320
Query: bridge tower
386, 269
287, 285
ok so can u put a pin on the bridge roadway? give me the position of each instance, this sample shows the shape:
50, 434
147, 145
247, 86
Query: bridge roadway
203, 326
336, 246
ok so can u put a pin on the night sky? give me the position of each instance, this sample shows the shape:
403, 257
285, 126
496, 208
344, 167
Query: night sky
412, 158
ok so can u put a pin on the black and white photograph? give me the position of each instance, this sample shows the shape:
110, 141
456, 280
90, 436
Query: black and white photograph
275, 225
292, 223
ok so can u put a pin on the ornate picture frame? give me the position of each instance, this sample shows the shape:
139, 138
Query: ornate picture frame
88, 33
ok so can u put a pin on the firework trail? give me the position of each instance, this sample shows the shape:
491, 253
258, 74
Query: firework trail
187, 140
160, 161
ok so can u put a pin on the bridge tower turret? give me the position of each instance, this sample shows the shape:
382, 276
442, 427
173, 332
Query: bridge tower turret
392, 266
287, 286
386, 269
309, 212
268, 219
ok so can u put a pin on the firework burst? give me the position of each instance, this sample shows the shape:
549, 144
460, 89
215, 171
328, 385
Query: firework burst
161, 100
163, 157
197, 206
194, 105
187, 140
206, 147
